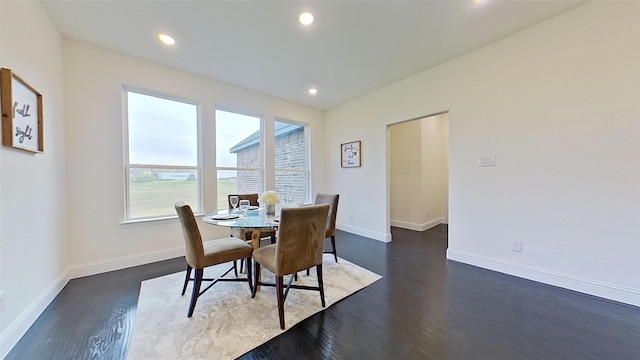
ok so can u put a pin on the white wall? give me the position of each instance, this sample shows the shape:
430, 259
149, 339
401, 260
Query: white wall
417, 173
434, 167
558, 106
407, 205
93, 82
33, 192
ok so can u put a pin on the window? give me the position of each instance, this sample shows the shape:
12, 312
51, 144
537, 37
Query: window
161, 156
238, 155
292, 170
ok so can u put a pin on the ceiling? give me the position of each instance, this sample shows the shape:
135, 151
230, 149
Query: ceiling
352, 47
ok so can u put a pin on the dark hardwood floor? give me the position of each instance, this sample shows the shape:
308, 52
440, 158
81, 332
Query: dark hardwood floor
425, 307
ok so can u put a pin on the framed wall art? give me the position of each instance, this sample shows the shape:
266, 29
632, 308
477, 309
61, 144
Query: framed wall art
350, 154
21, 114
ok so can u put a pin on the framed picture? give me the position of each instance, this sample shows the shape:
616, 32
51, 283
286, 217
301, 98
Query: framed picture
350, 155
21, 113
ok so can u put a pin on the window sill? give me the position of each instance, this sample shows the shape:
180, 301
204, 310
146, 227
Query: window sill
151, 221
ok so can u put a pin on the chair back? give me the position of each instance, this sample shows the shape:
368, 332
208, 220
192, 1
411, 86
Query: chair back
253, 199
332, 200
192, 237
300, 238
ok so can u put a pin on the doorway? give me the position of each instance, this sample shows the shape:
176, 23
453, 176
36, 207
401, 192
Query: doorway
419, 172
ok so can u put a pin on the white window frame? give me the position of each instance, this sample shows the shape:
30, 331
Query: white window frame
128, 166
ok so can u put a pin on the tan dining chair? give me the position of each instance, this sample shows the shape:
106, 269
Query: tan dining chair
245, 234
330, 232
299, 247
200, 255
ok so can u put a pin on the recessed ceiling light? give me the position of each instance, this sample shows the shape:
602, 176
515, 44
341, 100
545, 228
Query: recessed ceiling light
166, 39
313, 91
305, 18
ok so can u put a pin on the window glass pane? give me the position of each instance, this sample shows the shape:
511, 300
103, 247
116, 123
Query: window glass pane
291, 148
292, 186
237, 146
291, 154
153, 192
237, 182
237, 140
162, 167
161, 131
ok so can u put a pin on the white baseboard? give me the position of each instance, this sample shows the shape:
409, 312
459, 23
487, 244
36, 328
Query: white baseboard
12, 334
364, 232
587, 286
417, 227
10, 337
124, 262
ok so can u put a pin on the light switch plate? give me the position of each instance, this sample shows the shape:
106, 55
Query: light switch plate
487, 161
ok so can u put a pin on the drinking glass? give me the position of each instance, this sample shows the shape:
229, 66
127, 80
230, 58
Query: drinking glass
234, 202
244, 207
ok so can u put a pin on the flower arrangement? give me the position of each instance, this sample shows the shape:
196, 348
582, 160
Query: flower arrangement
269, 197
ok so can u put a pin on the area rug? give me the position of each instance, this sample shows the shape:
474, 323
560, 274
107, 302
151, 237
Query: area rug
227, 322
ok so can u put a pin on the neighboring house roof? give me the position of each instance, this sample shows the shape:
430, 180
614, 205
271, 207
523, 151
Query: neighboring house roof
253, 139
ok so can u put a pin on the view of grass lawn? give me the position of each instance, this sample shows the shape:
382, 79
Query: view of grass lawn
157, 198
225, 187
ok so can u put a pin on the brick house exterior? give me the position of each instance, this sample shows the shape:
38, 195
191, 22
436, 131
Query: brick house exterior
291, 153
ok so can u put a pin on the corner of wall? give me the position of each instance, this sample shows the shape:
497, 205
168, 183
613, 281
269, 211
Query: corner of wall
10, 337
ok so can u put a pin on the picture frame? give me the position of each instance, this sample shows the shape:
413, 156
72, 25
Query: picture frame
22, 123
351, 154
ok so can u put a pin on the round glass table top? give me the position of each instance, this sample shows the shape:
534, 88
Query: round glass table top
254, 219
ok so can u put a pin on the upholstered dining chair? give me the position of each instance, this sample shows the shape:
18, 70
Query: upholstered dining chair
330, 232
246, 234
201, 254
332, 200
299, 247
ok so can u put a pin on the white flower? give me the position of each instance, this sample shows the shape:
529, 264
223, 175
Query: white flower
269, 197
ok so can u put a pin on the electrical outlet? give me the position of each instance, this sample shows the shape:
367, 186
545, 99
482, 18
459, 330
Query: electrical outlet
516, 245
1, 300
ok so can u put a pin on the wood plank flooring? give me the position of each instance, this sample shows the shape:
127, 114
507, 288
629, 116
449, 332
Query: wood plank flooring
425, 307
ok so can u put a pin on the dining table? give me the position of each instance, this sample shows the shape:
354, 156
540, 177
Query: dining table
255, 219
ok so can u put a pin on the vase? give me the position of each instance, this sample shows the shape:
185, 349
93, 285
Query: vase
271, 209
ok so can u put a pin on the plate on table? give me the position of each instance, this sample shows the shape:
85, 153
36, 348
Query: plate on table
225, 216
253, 208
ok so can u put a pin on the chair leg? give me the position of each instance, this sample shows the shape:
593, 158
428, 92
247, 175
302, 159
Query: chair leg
333, 244
197, 281
280, 298
249, 277
241, 266
255, 279
186, 279
235, 268
273, 239
320, 283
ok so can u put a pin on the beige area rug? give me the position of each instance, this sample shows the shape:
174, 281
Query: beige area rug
227, 322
